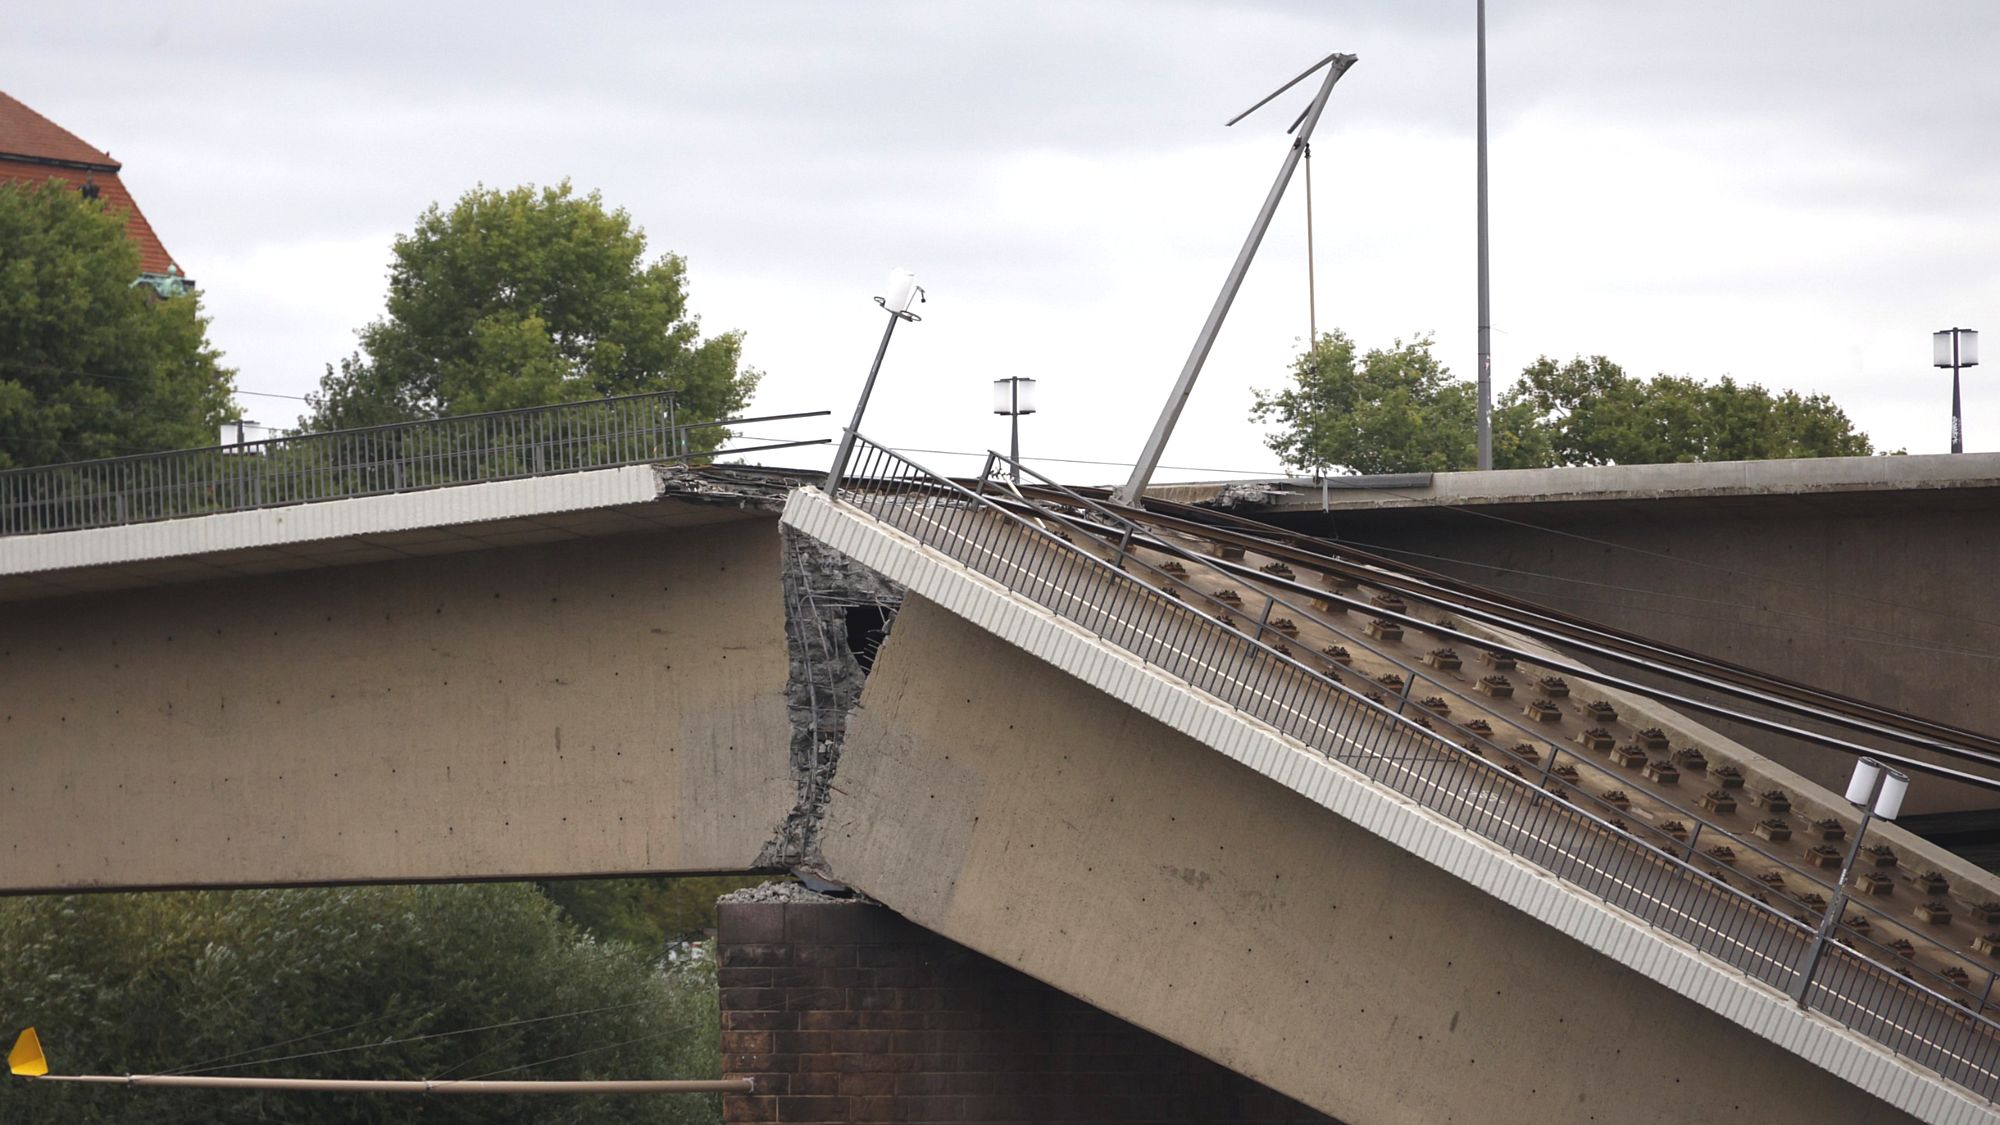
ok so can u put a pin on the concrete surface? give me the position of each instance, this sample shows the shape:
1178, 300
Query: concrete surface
1060, 832
592, 707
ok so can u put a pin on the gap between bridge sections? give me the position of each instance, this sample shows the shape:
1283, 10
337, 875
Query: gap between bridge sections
1625, 938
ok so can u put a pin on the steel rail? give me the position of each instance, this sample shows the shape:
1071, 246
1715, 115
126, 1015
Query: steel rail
365, 461
1584, 672
1241, 671
1123, 532
1735, 680
1642, 650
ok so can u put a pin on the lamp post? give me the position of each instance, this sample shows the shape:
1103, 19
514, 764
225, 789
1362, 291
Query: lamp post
1885, 806
903, 289
1485, 426
1955, 348
1014, 397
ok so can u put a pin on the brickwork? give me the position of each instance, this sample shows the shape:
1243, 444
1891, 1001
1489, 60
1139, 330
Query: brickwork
848, 1013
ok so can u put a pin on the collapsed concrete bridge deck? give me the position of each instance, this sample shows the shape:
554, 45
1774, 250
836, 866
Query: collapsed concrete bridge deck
631, 673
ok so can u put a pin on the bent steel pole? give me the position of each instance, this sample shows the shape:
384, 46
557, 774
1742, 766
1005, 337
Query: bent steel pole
1133, 491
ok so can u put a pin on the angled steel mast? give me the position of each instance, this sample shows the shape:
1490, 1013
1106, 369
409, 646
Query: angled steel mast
1335, 65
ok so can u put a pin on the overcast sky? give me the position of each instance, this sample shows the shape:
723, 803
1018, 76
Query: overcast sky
1796, 193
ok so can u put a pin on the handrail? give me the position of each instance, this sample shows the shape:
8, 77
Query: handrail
1129, 534
1481, 796
367, 461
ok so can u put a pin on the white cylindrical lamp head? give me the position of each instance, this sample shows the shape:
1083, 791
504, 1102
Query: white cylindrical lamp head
902, 290
1861, 785
1013, 396
1891, 801
1955, 347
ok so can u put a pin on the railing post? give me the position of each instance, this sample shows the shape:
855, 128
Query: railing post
1264, 618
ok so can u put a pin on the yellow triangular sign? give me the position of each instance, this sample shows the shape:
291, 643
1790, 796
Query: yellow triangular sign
26, 1057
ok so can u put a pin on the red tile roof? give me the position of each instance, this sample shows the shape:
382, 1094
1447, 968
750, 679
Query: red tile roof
34, 149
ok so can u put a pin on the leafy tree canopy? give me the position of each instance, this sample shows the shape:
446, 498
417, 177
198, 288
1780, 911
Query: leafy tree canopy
1399, 410
90, 366
1596, 414
1389, 410
529, 297
142, 983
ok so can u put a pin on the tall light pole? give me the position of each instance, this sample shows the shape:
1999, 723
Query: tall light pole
1485, 294
1133, 491
903, 289
1014, 397
1885, 806
1955, 348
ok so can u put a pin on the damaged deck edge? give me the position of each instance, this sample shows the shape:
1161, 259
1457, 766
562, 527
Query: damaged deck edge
1620, 936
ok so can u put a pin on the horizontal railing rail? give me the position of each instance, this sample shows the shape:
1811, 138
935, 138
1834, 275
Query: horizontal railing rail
1976, 991
342, 464
1045, 565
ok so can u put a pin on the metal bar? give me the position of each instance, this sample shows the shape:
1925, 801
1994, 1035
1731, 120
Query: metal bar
302, 468
1133, 492
847, 435
417, 1086
1485, 291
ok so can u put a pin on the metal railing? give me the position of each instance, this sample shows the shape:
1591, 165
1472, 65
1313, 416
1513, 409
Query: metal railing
1027, 550
341, 464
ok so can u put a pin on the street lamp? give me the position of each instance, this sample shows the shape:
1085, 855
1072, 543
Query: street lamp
1014, 397
903, 289
1887, 803
1955, 348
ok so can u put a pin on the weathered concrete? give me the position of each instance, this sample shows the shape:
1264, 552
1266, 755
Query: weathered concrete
599, 706
1866, 576
1060, 832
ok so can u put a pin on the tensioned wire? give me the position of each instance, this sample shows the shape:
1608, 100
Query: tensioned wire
205, 1069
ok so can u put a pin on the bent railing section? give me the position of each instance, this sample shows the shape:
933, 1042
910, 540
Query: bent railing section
1032, 556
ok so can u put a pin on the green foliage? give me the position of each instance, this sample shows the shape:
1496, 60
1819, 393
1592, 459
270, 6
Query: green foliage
1596, 414
141, 983
90, 366
1399, 410
527, 298
1395, 410
649, 913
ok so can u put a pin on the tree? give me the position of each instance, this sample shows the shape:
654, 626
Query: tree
89, 365
141, 983
530, 297
1397, 410
1596, 414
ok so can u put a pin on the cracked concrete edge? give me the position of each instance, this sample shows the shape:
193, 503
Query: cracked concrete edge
1623, 937
822, 686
